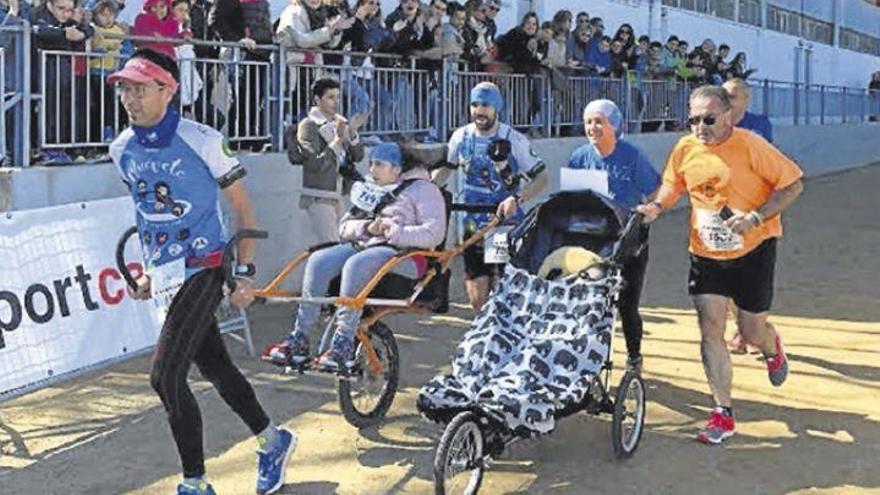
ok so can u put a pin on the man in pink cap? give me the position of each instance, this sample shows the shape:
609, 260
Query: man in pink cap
175, 169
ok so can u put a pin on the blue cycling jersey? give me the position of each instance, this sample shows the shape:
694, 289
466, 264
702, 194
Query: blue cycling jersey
483, 184
174, 171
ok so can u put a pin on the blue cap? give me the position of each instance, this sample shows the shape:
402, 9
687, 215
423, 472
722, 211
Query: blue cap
488, 93
387, 152
611, 112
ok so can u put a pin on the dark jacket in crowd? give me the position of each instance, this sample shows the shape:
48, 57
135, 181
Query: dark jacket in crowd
48, 34
233, 20
199, 11
409, 39
513, 49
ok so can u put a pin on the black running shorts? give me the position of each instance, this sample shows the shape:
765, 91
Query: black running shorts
747, 280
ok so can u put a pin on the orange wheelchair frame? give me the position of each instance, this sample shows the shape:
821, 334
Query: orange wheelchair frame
370, 324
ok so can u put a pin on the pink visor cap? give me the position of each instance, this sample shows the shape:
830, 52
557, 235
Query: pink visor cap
141, 70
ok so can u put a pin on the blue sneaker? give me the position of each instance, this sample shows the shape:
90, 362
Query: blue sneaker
204, 488
270, 475
340, 357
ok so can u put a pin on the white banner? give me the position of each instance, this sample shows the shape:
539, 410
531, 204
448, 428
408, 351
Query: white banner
63, 304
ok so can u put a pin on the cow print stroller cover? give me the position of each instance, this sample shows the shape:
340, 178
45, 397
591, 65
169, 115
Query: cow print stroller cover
533, 350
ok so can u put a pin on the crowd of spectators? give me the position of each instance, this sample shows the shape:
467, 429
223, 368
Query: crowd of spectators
568, 45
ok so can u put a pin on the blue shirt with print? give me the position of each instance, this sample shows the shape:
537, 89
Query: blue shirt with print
174, 172
630, 175
483, 184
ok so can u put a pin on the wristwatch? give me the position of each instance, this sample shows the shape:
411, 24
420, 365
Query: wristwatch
245, 270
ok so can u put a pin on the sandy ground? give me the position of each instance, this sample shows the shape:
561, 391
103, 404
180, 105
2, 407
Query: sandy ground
820, 433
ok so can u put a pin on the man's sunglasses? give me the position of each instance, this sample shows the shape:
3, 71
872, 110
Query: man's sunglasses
707, 120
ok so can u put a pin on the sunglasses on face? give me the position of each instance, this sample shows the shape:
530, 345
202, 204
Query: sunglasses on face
708, 120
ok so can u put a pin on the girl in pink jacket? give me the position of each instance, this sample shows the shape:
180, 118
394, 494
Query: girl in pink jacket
156, 20
395, 209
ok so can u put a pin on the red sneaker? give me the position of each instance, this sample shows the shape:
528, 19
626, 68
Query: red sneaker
719, 429
777, 366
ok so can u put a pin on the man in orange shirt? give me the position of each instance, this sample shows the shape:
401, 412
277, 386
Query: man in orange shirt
738, 186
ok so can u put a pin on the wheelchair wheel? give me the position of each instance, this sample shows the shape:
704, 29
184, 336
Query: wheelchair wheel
458, 463
365, 397
629, 415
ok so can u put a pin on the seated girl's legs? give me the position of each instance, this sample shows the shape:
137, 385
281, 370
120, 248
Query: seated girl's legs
321, 268
358, 271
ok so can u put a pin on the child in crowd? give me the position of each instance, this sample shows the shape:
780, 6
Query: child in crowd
190, 81
156, 20
106, 41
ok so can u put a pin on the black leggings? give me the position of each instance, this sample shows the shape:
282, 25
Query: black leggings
190, 335
628, 305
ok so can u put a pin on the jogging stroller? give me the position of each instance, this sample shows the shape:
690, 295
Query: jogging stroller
540, 349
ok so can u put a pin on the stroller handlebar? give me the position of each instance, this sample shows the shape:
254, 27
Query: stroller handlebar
634, 222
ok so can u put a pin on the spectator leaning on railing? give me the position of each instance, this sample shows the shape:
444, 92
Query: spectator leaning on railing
737, 68
53, 28
478, 31
156, 20
107, 40
304, 26
579, 48
407, 22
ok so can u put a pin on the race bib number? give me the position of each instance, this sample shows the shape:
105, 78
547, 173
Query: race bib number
165, 281
495, 247
715, 235
367, 196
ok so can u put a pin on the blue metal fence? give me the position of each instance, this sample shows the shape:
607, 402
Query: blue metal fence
252, 101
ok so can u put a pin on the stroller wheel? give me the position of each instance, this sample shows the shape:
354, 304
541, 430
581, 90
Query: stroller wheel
365, 396
629, 415
458, 464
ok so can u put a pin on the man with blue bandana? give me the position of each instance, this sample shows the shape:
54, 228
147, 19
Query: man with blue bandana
175, 170
500, 168
630, 181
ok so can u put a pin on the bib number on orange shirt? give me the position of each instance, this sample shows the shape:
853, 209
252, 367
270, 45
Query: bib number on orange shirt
714, 234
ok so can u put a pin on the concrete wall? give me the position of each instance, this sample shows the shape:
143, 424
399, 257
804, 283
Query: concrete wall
274, 184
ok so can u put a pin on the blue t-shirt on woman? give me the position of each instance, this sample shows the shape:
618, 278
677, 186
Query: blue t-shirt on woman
630, 175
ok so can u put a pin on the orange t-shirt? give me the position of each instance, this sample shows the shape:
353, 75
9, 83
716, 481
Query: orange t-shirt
741, 173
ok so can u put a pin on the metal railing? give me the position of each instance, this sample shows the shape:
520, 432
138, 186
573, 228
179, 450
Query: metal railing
251, 99
788, 103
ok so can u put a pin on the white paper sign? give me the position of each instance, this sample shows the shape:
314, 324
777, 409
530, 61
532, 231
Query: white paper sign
495, 247
165, 281
572, 179
715, 235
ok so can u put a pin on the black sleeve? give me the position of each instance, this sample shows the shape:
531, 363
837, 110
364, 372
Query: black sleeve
227, 20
